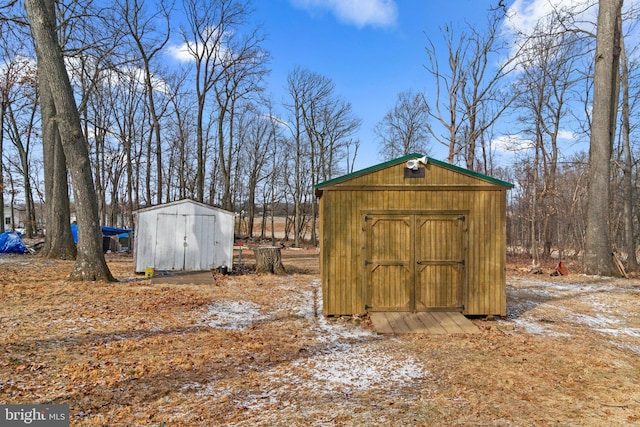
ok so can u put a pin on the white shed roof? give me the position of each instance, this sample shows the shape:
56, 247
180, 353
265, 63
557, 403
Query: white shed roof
183, 202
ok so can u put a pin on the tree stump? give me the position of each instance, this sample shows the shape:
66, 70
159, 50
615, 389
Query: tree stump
269, 260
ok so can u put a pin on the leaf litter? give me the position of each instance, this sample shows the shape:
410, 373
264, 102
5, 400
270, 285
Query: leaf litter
255, 350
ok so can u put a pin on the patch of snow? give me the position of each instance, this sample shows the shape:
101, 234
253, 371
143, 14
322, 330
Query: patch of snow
632, 348
233, 315
358, 368
346, 359
301, 301
535, 327
534, 301
632, 332
596, 321
551, 287
354, 368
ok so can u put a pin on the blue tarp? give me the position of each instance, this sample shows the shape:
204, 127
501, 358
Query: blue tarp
11, 243
106, 231
112, 231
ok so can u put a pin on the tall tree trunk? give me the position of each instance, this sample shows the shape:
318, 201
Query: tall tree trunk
22, 148
3, 105
627, 166
59, 240
201, 164
535, 253
155, 122
598, 259
90, 262
149, 163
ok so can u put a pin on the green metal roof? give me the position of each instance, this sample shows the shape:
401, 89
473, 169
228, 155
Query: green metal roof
403, 159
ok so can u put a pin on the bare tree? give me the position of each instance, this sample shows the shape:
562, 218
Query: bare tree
90, 262
445, 107
545, 80
255, 131
627, 161
469, 97
404, 129
321, 125
211, 28
149, 42
484, 96
244, 69
59, 242
21, 123
7, 82
180, 131
127, 109
598, 259
297, 80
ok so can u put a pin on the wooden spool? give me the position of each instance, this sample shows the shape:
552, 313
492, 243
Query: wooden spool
269, 260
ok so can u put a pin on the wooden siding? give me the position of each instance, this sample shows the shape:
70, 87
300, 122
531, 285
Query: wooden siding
443, 191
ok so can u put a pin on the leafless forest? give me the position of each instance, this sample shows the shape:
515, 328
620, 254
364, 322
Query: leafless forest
208, 131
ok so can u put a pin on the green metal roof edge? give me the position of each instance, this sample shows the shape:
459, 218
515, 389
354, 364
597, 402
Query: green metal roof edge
402, 159
471, 173
365, 171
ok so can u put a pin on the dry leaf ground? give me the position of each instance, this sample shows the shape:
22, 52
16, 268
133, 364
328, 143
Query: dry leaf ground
250, 351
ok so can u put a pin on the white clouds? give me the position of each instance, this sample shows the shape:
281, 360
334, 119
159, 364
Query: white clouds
376, 13
524, 15
511, 143
567, 135
211, 44
518, 142
180, 52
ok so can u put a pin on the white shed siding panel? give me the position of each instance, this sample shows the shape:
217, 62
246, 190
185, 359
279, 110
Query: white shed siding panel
168, 253
199, 242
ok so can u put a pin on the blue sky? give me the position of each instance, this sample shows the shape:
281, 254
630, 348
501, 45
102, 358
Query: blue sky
374, 49
370, 54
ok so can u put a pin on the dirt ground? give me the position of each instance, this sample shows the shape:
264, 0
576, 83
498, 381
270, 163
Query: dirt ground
254, 350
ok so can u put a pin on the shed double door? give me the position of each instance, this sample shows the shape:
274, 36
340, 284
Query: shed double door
184, 242
414, 262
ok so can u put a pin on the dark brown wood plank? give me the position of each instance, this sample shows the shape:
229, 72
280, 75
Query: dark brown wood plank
447, 323
397, 323
430, 323
414, 324
380, 323
436, 323
465, 324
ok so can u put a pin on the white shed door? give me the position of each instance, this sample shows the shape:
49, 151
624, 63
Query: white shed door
185, 242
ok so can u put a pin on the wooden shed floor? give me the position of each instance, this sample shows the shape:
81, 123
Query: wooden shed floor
422, 323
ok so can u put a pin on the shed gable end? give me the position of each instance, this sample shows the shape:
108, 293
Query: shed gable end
392, 174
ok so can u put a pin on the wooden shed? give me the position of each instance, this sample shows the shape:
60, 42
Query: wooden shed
183, 236
410, 235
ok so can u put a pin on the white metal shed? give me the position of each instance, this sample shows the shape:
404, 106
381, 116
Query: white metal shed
183, 235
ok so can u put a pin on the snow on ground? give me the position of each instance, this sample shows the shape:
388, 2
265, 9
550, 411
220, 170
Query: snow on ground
600, 305
345, 358
236, 315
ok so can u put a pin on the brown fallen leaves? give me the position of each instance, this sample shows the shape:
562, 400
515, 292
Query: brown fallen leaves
248, 350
